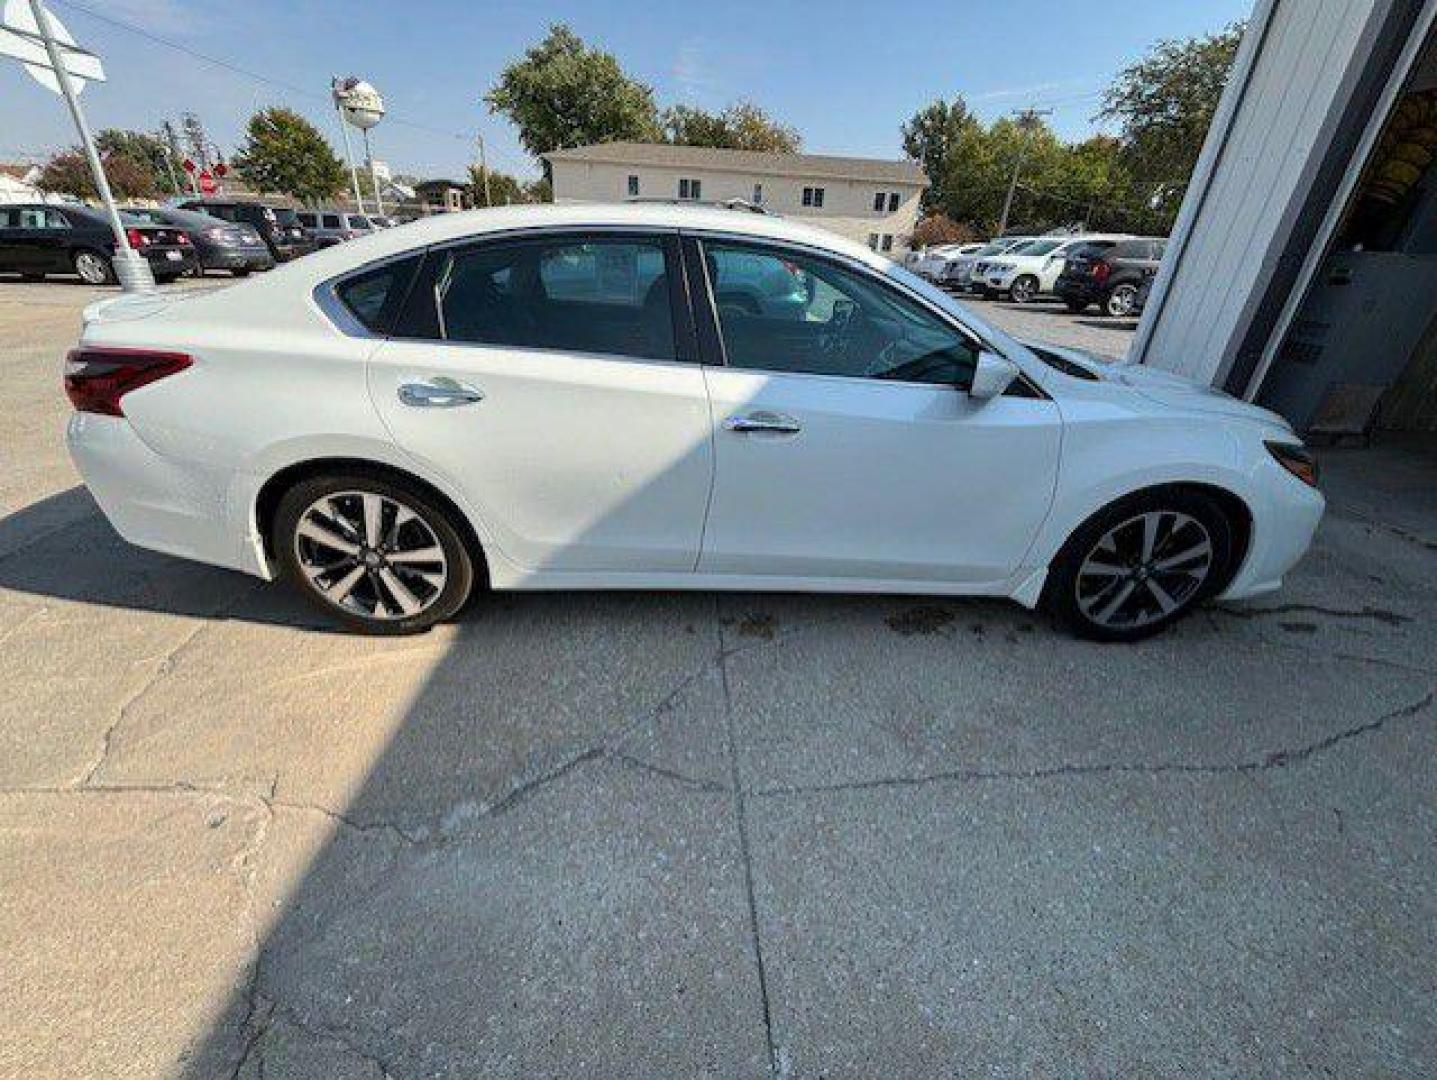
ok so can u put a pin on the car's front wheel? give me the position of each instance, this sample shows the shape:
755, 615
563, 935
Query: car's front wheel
1140, 565
1024, 290
379, 555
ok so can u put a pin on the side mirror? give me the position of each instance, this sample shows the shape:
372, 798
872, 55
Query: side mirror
992, 376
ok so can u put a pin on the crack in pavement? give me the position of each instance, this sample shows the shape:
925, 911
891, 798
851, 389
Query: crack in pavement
1277, 759
1380, 615
776, 1062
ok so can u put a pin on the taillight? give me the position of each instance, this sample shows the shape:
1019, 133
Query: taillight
182, 238
137, 239
1100, 271
96, 379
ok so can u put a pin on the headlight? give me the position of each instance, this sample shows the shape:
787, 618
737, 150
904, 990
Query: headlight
1296, 459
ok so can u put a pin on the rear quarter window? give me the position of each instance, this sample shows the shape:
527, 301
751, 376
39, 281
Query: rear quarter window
375, 296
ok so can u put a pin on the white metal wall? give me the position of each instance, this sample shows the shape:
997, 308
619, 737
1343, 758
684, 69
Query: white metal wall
1293, 77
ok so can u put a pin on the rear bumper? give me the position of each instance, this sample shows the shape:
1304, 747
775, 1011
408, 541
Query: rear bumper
160, 504
1078, 291
161, 265
239, 259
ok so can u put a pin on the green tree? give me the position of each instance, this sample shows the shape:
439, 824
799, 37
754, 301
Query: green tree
1164, 105
933, 137
741, 126
284, 152
504, 190
564, 93
147, 151
68, 173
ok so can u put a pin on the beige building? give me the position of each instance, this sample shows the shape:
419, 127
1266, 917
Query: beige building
867, 200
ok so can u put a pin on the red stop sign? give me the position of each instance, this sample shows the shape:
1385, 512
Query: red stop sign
207, 183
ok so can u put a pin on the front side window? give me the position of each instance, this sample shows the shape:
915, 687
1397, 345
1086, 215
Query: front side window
577, 295
793, 313
331, 221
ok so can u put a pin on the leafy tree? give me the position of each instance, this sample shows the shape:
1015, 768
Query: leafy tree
503, 188
741, 126
147, 151
933, 137
1164, 105
68, 172
564, 93
941, 229
284, 152
539, 191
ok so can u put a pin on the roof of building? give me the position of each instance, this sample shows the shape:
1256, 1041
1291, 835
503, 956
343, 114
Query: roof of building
748, 161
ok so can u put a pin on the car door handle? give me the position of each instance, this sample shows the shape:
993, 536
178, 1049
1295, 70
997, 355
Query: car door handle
771, 422
439, 393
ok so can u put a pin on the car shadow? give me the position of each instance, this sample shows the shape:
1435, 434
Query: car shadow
62, 548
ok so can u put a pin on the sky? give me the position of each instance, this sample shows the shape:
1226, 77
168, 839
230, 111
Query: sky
845, 74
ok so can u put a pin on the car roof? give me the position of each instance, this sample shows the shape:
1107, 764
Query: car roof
460, 225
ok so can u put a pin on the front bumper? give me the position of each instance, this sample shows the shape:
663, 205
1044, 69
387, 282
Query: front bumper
1284, 520
157, 503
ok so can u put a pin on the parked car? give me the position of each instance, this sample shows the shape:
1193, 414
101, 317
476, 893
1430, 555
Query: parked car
970, 277
933, 258
330, 227
278, 226
1023, 276
219, 245
1145, 291
37, 240
383, 221
541, 397
1109, 277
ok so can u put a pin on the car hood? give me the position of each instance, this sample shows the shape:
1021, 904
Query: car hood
1165, 388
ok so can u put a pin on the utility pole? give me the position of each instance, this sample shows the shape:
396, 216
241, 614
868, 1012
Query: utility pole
484, 169
1028, 119
167, 138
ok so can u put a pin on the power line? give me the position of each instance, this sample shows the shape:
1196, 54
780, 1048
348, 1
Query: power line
256, 76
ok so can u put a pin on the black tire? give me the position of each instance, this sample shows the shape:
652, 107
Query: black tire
1062, 596
82, 256
1075, 307
1118, 304
166, 279
458, 562
1024, 290
240, 271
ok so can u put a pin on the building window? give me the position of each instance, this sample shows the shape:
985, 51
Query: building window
690, 189
813, 196
758, 194
873, 240
892, 201
880, 200
886, 244
633, 186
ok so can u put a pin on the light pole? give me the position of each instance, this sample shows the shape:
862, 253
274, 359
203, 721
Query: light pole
1026, 120
484, 170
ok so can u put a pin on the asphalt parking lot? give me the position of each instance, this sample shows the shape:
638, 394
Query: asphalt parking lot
678, 835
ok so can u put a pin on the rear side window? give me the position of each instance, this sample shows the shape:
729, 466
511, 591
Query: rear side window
331, 221
601, 295
374, 296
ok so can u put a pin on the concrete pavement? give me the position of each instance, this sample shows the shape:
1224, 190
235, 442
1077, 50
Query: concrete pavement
678, 835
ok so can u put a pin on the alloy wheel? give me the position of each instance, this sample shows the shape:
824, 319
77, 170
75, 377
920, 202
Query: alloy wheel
1122, 301
370, 555
91, 268
1024, 289
1145, 569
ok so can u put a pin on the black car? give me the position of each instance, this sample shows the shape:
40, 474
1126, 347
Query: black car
37, 240
277, 226
1111, 279
219, 245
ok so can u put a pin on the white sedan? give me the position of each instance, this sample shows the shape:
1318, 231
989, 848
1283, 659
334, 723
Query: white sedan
589, 397
1025, 275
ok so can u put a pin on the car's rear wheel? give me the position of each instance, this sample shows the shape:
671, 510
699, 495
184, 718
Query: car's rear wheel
1024, 290
1140, 565
1120, 302
378, 555
93, 268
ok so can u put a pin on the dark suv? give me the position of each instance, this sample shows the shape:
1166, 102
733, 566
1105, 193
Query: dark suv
1109, 278
278, 226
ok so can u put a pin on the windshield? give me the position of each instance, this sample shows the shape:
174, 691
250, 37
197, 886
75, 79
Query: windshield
285, 216
991, 249
1040, 247
1021, 248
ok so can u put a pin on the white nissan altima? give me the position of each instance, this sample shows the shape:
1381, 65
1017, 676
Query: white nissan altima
663, 397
